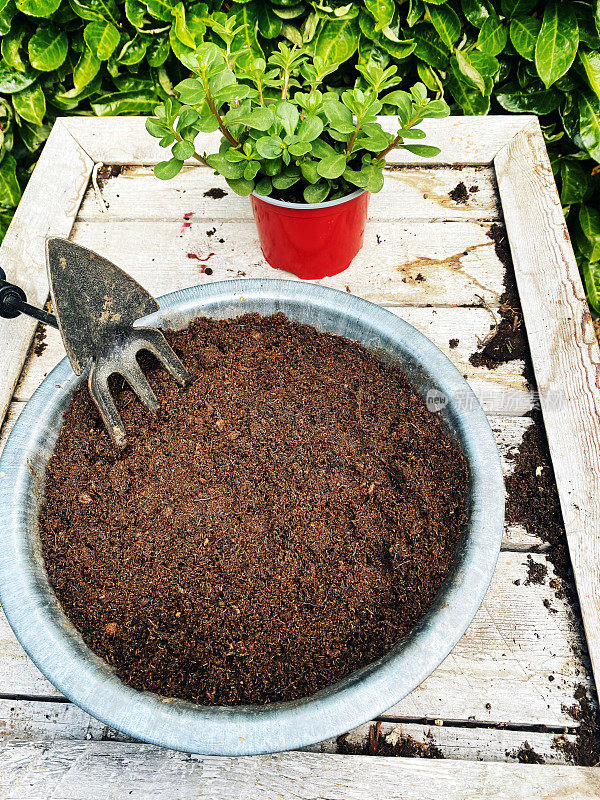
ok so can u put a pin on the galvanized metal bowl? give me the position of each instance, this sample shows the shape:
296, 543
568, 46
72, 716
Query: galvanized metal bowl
59, 651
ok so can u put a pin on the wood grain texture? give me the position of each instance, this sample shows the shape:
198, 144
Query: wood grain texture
565, 355
409, 193
463, 140
401, 263
48, 207
504, 660
114, 770
35, 720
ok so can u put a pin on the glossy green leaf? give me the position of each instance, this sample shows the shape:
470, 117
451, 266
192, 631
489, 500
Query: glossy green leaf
492, 36
246, 40
589, 222
337, 40
228, 169
423, 150
310, 128
575, 183
269, 24
12, 48
468, 98
517, 8
264, 186
135, 11
591, 277
133, 51
382, 11
96, 9
446, 22
288, 115
590, 61
477, 68
30, 104
101, 37
7, 11
158, 50
339, 116
477, 11
286, 179
48, 48
524, 32
12, 80
38, 8
240, 186
161, 9
589, 123
129, 102
332, 166
10, 191
512, 97
269, 146
165, 170
259, 119
317, 192
183, 150
557, 43
429, 47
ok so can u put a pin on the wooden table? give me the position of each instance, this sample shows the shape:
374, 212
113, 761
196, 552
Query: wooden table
430, 260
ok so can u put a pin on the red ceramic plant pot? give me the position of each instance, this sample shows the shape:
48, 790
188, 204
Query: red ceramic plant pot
311, 240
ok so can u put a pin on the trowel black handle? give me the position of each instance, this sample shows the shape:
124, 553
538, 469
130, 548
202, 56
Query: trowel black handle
13, 301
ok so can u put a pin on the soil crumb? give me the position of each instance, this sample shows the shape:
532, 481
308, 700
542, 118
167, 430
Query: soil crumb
273, 529
400, 746
585, 750
216, 193
460, 193
526, 755
453, 344
536, 572
39, 342
507, 340
106, 172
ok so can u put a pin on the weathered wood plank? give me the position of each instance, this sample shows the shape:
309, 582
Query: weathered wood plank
113, 770
49, 206
501, 391
408, 193
565, 355
463, 140
34, 720
450, 263
504, 660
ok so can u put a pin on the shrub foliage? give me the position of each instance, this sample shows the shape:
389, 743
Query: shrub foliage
109, 57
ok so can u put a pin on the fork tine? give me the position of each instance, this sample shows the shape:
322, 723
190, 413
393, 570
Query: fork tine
100, 393
139, 384
155, 342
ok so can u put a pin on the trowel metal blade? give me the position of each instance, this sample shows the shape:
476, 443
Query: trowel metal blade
92, 298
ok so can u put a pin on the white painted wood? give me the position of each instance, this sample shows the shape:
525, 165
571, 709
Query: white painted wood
501, 391
463, 140
35, 720
565, 355
449, 263
49, 206
114, 770
505, 659
408, 193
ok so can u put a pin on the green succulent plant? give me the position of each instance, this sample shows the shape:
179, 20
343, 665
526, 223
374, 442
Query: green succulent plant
280, 132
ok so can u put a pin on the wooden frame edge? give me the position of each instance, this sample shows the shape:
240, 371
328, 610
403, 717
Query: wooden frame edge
565, 355
60, 177
463, 140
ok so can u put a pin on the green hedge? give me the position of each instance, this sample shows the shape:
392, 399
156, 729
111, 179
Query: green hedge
109, 57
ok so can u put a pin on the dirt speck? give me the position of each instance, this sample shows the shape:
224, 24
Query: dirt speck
453, 344
460, 193
216, 193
